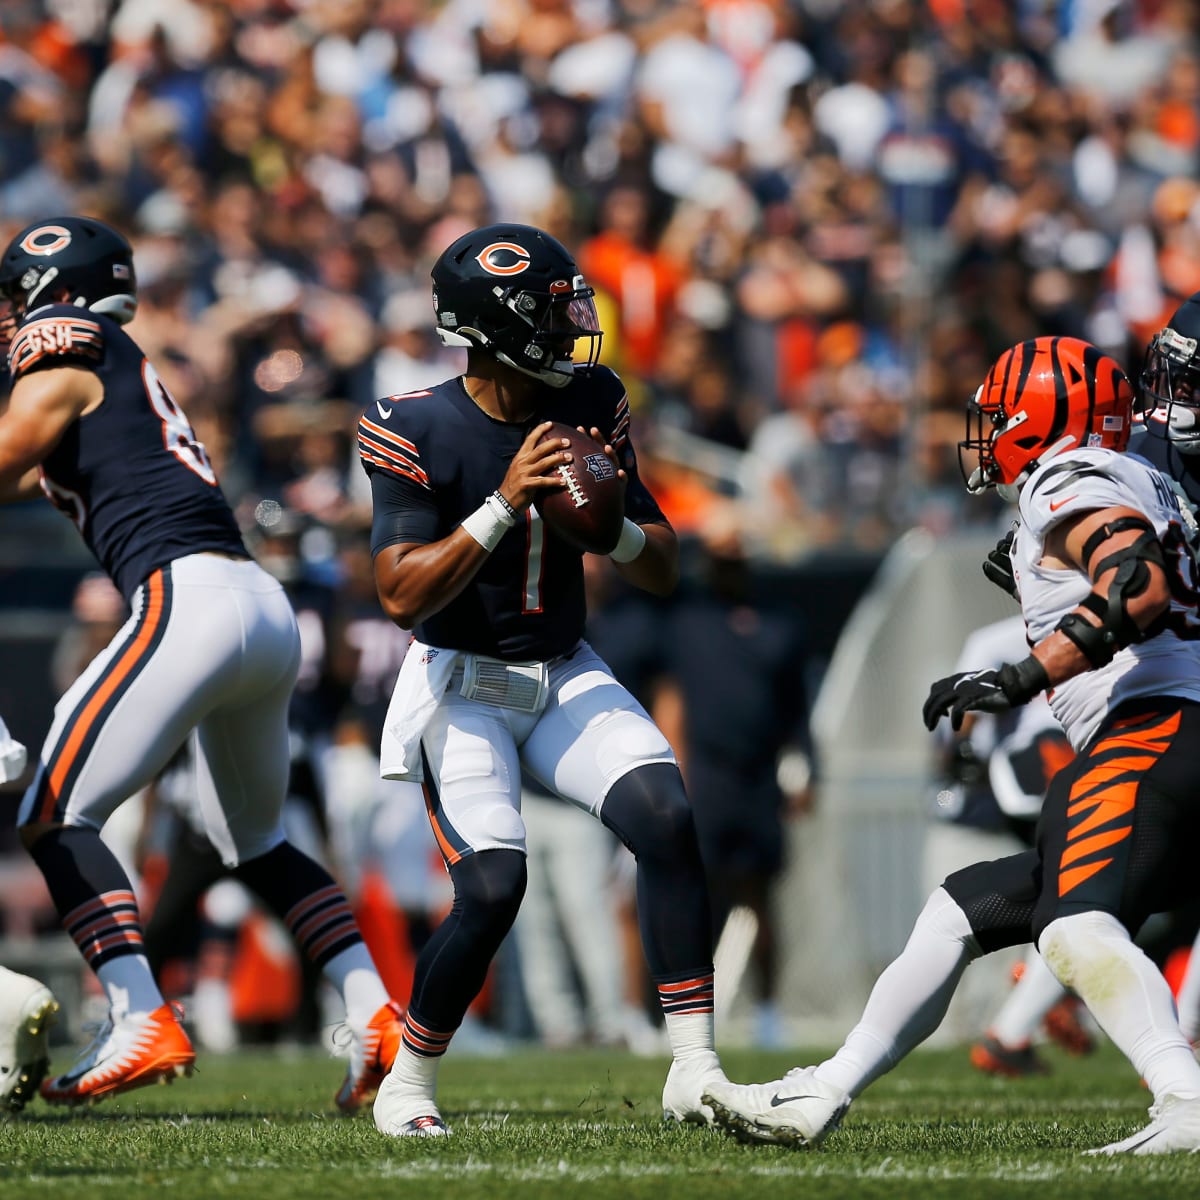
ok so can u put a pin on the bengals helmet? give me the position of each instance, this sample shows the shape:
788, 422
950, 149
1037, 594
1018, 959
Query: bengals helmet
516, 293
1169, 385
1039, 399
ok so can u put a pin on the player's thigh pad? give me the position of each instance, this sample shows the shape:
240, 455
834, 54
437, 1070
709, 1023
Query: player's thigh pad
592, 732
243, 759
175, 659
473, 776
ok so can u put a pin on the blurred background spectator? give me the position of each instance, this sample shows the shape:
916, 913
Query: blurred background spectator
811, 226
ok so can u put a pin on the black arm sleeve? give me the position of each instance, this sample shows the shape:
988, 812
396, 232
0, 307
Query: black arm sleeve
402, 511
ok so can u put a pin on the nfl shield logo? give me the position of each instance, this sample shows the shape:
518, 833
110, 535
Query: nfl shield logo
598, 466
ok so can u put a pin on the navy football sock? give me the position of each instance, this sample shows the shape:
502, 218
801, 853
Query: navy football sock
488, 888
649, 811
305, 897
91, 892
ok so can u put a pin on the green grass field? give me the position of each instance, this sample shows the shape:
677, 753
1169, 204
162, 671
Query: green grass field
260, 1127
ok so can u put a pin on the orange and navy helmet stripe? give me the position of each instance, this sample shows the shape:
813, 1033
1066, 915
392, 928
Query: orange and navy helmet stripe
1102, 801
83, 727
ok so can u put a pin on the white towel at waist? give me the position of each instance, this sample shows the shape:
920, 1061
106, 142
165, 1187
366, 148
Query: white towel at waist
12, 755
423, 679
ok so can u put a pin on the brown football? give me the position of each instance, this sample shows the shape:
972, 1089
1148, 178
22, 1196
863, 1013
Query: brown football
589, 511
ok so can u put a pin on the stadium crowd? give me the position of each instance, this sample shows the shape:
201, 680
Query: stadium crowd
811, 224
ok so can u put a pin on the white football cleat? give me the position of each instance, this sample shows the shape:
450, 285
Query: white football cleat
403, 1112
27, 1010
687, 1081
1174, 1127
797, 1110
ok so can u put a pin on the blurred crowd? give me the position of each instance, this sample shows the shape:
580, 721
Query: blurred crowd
811, 224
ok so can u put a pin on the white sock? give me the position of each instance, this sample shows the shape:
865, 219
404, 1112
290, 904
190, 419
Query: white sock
416, 1072
129, 984
909, 999
1093, 953
690, 1034
1189, 996
1037, 992
353, 974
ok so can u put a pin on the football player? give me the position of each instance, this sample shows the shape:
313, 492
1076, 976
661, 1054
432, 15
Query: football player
1106, 581
499, 677
211, 648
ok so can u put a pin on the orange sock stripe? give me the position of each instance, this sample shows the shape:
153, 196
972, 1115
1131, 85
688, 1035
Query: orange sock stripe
345, 931
315, 922
300, 910
687, 995
425, 1042
102, 903
104, 921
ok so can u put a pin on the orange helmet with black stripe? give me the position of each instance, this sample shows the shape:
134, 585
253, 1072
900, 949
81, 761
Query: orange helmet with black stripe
1041, 398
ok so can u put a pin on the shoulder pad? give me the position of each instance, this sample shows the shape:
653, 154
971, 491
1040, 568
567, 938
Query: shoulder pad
607, 403
1078, 482
389, 435
58, 334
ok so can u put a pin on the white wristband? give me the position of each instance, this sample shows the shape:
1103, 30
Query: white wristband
629, 544
489, 523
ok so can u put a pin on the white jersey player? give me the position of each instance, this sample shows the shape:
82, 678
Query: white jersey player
1106, 586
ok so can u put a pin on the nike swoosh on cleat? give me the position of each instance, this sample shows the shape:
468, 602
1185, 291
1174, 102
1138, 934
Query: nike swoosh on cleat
384, 413
777, 1099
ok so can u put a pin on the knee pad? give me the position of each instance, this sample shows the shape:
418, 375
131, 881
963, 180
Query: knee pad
648, 809
1072, 943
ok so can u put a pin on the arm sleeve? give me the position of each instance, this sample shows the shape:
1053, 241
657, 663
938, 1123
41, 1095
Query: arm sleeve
402, 512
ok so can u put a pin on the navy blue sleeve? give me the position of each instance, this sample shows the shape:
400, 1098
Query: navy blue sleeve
403, 511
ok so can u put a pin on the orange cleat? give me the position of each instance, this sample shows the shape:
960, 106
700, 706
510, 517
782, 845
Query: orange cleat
1064, 1027
131, 1052
993, 1057
371, 1057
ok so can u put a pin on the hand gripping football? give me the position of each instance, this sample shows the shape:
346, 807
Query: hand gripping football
589, 512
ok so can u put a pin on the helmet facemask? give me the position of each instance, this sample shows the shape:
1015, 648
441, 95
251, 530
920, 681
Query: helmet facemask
540, 342
1169, 391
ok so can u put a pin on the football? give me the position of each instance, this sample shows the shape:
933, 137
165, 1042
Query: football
589, 511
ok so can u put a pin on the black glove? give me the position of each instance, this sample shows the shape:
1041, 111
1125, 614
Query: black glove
984, 691
998, 565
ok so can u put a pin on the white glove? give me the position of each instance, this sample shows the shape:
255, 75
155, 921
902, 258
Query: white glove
12, 755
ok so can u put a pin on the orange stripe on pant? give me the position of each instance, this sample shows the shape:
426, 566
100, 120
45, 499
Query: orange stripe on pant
119, 672
1113, 786
448, 851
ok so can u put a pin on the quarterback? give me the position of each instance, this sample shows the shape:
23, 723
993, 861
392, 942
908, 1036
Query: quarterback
1107, 584
499, 678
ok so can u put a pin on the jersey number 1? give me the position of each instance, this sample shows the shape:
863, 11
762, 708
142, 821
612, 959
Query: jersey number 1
178, 436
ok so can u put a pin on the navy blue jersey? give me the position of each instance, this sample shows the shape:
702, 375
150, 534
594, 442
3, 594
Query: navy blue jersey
130, 474
1167, 458
433, 456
